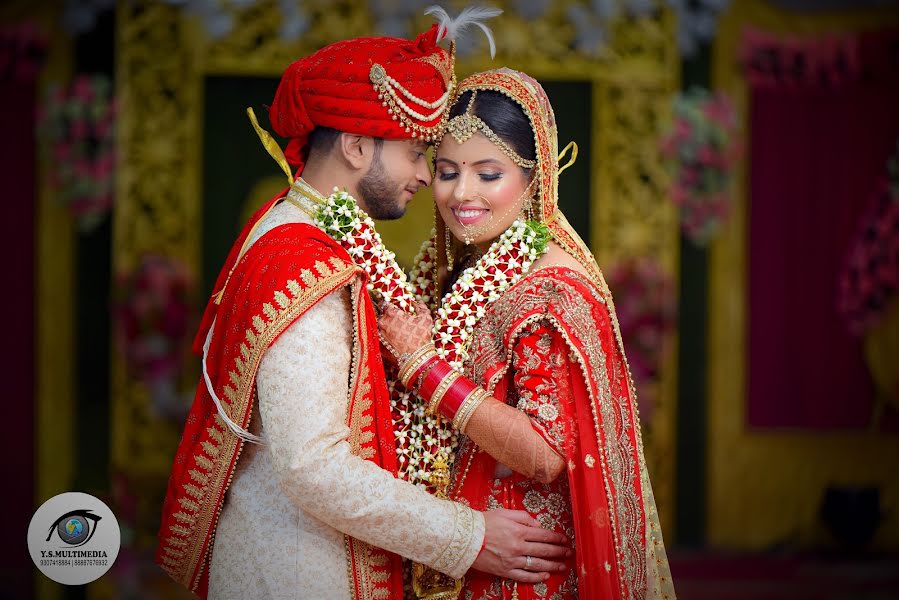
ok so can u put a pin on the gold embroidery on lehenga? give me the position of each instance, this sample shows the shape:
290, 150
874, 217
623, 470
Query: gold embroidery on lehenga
495, 343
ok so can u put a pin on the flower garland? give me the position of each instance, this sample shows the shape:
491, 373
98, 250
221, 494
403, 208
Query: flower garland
507, 260
420, 437
340, 217
702, 150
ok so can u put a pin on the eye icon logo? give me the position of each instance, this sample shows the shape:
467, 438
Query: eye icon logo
74, 527
74, 538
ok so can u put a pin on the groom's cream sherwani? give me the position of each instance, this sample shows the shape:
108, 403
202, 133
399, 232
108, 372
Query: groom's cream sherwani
281, 533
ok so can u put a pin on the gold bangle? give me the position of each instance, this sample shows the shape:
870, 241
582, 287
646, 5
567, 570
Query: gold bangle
410, 367
469, 405
440, 391
416, 354
418, 358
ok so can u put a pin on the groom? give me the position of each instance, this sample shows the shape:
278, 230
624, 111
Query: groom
284, 482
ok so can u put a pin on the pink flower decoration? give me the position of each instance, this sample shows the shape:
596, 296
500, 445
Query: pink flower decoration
701, 165
153, 316
77, 135
647, 309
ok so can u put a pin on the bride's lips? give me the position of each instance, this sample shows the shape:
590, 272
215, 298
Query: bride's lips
469, 215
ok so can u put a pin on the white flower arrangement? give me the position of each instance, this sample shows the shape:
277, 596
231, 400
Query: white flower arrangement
501, 267
419, 437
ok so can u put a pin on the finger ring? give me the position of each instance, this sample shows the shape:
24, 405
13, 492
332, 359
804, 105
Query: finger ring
527, 563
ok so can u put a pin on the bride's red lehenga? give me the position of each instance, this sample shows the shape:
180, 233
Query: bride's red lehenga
549, 347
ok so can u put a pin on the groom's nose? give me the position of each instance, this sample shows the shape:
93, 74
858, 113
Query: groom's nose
424, 176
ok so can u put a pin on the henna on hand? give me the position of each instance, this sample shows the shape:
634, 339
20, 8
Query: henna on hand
404, 332
507, 435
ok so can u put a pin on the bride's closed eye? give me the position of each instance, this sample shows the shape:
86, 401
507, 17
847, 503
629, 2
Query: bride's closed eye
450, 175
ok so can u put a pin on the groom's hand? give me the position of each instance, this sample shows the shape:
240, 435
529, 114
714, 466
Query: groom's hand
512, 536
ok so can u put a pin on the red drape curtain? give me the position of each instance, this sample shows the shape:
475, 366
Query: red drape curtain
824, 119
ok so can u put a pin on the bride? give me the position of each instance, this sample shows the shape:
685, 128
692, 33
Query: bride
524, 357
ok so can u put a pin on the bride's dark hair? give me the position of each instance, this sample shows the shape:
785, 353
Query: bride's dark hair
504, 116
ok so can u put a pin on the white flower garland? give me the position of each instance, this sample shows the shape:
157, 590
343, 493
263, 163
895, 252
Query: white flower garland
340, 217
419, 437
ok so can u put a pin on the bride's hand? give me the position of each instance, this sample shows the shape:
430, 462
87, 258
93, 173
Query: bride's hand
403, 333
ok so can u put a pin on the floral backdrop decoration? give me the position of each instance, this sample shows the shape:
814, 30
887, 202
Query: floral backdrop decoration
154, 314
76, 126
701, 150
868, 287
646, 306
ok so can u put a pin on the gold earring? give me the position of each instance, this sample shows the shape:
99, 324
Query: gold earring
448, 247
532, 209
526, 212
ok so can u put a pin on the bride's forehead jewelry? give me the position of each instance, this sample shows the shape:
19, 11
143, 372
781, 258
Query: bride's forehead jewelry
463, 126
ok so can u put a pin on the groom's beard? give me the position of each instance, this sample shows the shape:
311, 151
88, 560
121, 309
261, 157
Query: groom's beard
380, 193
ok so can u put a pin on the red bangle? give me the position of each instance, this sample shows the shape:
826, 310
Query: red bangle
440, 370
454, 396
410, 384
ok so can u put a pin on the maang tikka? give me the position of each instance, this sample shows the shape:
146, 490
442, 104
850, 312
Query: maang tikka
463, 126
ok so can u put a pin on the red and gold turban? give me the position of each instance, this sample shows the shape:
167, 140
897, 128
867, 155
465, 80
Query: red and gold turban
376, 86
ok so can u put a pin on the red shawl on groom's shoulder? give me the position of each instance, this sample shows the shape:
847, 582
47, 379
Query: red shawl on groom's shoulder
274, 283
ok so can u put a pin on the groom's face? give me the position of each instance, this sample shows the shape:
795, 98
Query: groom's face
398, 169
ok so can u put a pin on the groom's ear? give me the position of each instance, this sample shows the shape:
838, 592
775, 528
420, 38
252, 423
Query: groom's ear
355, 150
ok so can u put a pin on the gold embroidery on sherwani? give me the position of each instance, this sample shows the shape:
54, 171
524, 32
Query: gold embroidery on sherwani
214, 464
455, 550
359, 398
364, 576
